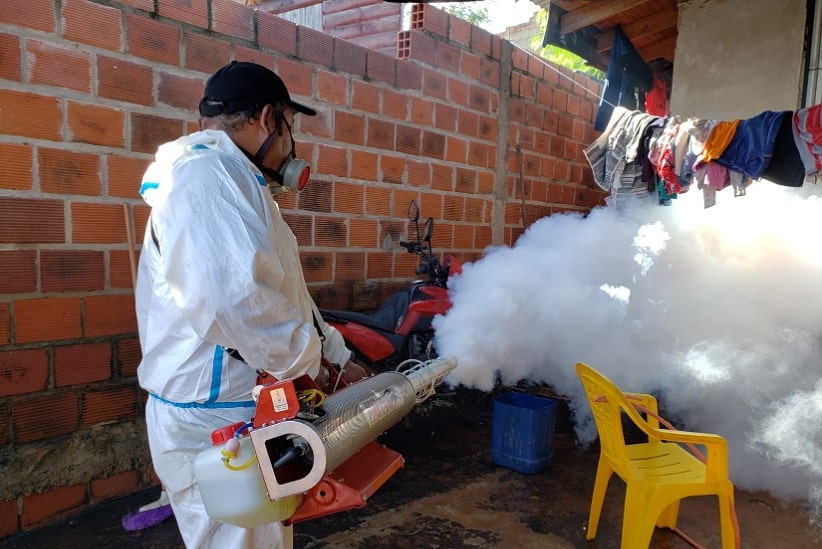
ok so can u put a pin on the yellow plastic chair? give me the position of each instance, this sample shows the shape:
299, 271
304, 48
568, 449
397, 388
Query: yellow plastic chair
658, 473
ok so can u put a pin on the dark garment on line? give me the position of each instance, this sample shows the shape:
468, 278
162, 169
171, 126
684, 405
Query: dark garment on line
751, 148
626, 72
786, 166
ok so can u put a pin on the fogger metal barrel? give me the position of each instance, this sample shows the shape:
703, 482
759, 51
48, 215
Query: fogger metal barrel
360, 413
353, 417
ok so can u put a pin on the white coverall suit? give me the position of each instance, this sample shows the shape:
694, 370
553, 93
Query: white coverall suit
219, 268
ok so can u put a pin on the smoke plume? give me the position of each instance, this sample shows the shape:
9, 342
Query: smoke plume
716, 311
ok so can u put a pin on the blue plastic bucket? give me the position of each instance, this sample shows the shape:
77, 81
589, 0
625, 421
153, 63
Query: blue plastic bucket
522, 432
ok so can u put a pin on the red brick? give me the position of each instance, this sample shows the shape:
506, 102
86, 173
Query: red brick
349, 198
45, 507
276, 34
330, 232
124, 176
380, 67
332, 88
124, 81
395, 104
92, 23
457, 92
121, 484
317, 266
8, 514
4, 323
72, 270
38, 14
333, 161
205, 53
349, 128
10, 57
194, 12
109, 315
365, 97
148, 132
409, 76
45, 417
380, 264
153, 40
349, 266
128, 356
377, 201
18, 271
95, 124
298, 77
180, 92
363, 165
94, 223
381, 134
409, 140
67, 172
46, 319
433, 145
84, 363
301, 226
349, 57
119, 266
30, 115
459, 30
315, 47
392, 169
110, 405
53, 66
28, 221
434, 84
233, 19
442, 178
23, 371
362, 233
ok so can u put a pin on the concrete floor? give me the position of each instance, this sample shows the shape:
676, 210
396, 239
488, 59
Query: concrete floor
450, 494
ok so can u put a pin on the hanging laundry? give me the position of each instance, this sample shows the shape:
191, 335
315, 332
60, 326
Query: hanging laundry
627, 72
656, 100
751, 148
786, 166
807, 128
718, 141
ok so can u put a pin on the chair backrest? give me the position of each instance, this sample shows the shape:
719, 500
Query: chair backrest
607, 404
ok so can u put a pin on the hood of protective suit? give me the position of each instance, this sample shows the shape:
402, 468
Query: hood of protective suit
154, 192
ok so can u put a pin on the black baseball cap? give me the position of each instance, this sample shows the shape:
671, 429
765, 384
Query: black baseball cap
242, 85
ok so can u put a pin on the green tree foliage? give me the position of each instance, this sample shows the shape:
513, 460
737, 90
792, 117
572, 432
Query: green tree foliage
472, 15
558, 55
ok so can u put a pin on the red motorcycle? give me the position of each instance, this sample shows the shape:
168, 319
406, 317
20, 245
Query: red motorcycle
401, 329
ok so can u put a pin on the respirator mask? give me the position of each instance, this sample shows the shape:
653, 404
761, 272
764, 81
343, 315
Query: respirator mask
294, 173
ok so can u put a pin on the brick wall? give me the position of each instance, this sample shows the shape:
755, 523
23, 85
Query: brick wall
471, 127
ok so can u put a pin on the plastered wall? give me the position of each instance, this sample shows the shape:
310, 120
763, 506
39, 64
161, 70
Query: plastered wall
737, 58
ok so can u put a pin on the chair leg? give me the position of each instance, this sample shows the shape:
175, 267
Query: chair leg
604, 473
667, 519
726, 521
637, 522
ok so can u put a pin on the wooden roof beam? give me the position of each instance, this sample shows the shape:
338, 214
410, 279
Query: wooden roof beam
664, 48
636, 30
593, 13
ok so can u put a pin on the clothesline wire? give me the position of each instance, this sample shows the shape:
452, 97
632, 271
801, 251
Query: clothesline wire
559, 72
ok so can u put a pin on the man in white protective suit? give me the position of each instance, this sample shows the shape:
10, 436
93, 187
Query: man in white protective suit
220, 281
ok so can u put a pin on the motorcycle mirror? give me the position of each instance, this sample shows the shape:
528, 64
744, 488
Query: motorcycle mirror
413, 211
429, 230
